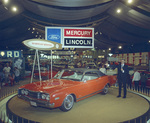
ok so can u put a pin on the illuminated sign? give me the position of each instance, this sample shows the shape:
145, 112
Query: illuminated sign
10, 54
42, 44
71, 37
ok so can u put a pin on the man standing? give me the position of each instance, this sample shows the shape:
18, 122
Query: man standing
122, 77
6, 71
136, 79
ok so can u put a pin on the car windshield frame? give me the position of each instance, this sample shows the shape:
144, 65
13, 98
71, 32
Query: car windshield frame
68, 74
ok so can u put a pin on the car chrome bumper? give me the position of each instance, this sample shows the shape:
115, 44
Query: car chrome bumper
35, 102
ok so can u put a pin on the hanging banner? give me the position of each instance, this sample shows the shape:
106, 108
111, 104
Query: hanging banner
71, 37
42, 44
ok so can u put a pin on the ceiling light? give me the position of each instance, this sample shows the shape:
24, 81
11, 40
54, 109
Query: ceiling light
120, 47
149, 41
130, 1
14, 9
109, 49
5, 1
118, 11
110, 54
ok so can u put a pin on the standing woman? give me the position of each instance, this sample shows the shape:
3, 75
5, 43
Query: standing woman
122, 77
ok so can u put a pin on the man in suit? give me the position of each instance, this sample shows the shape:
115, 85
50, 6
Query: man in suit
122, 77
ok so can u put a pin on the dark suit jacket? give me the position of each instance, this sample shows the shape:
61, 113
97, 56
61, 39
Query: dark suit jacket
123, 76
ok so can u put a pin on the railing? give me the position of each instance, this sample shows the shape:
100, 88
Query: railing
140, 90
7, 117
145, 117
3, 116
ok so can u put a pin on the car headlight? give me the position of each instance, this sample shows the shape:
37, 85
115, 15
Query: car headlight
45, 96
26, 92
22, 91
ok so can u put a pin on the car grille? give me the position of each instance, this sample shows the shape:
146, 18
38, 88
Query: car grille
34, 94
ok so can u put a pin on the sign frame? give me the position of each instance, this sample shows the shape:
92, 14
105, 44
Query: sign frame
80, 40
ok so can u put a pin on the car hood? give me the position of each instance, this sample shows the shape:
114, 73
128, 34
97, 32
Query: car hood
49, 86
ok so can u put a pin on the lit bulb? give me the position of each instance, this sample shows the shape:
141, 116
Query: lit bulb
2, 53
6, 1
14, 9
118, 10
130, 1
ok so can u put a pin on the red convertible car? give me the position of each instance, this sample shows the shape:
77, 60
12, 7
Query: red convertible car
68, 86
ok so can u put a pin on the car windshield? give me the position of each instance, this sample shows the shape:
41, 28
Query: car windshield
69, 75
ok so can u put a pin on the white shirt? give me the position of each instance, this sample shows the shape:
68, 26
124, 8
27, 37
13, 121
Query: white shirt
136, 76
7, 69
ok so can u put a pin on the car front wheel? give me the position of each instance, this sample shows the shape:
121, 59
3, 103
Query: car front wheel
67, 103
105, 89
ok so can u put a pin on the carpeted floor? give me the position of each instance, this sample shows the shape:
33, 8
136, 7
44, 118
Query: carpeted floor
96, 109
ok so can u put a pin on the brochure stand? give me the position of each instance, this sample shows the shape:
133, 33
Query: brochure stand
41, 44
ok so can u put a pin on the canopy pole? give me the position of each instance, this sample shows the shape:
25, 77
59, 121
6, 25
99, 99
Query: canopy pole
51, 65
33, 68
38, 64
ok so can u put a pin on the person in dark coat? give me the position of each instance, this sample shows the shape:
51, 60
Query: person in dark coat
122, 77
143, 81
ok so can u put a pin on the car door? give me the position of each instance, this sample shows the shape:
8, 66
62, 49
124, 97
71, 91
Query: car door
90, 84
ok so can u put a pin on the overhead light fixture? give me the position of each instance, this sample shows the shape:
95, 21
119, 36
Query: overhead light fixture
110, 54
109, 49
120, 47
130, 1
14, 9
118, 11
149, 41
5, 1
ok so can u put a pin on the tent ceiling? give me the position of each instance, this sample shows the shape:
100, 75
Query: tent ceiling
131, 27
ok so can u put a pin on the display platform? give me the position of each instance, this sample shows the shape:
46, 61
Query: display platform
96, 109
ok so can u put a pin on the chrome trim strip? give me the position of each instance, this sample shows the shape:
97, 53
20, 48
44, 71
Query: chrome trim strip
38, 102
89, 94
